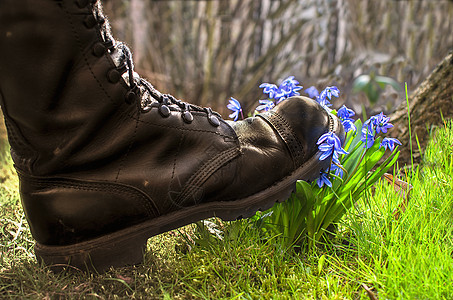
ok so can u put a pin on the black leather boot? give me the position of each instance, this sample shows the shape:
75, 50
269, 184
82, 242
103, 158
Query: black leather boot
106, 161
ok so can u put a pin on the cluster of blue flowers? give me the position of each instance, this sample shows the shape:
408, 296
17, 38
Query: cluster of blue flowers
288, 88
326, 96
345, 115
372, 127
329, 143
330, 146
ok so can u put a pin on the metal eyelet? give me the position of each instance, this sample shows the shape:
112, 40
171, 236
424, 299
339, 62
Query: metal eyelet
214, 121
90, 21
99, 49
187, 117
130, 97
164, 111
113, 76
145, 109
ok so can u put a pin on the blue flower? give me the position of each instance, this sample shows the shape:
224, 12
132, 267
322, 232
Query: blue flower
270, 89
280, 97
323, 179
381, 123
289, 87
368, 133
266, 105
338, 170
330, 144
235, 106
348, 125
312, 92
330, 91
345, 113
373, 126
324, 102
326, 95
389, 143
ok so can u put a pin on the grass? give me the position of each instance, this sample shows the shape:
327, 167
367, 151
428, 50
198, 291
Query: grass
375, 254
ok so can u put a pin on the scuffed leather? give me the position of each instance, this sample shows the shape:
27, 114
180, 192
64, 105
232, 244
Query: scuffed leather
266, 157
90, 163
308, 121
60, 210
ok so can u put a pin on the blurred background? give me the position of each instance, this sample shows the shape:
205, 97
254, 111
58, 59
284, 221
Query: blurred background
208, 51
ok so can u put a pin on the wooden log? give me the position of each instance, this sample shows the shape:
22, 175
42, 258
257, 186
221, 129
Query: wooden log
430, 105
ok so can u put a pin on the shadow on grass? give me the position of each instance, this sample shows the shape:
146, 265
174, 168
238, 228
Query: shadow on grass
156, 277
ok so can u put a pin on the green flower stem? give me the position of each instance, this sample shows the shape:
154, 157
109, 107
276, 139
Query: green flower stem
357, 166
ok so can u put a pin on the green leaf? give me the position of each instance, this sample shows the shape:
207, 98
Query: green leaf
372, 92
321, 262
388, 81
353, 159
351, 143
387, 164
360, 83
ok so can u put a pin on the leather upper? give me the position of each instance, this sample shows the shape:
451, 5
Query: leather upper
90, 163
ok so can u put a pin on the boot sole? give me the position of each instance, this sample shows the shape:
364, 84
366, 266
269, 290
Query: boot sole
127, 246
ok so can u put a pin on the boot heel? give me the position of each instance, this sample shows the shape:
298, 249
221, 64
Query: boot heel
96, 255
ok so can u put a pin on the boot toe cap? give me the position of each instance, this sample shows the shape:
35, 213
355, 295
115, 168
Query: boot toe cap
300, 121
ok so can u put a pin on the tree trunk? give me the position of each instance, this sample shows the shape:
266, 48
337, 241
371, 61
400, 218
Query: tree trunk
429, 106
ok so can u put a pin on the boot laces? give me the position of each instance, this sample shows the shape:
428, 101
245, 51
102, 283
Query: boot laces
140, 88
